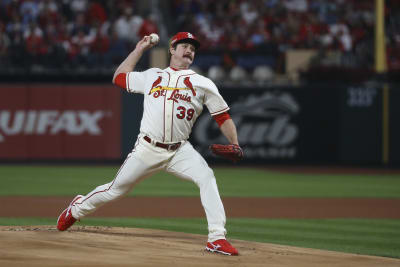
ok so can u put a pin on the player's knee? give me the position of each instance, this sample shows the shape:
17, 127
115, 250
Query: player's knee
121, 186
206, 177
116, 191
114, 194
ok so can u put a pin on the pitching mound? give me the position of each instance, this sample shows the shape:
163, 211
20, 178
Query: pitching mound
106, 246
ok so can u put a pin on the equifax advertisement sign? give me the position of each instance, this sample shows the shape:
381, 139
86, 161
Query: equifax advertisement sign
60, 122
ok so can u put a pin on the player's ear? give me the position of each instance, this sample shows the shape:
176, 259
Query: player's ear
171, 50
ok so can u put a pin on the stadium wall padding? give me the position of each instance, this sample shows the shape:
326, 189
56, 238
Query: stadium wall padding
338, 124
59, 122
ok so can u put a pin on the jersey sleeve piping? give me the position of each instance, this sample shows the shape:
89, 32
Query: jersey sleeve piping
219, 112
127, 82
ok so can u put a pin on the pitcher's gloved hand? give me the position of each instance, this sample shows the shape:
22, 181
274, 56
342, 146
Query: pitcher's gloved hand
231, 152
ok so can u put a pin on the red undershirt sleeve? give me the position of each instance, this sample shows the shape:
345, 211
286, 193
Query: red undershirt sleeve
221, 118
120, 80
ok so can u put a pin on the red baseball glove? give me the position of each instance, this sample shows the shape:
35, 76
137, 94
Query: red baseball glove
231, 152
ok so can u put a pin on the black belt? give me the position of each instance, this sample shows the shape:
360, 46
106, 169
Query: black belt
173, 146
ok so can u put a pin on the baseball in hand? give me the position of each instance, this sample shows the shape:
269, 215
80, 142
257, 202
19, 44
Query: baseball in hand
154, 38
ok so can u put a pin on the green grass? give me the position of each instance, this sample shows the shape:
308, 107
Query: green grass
20, 180
378, 237
364, 236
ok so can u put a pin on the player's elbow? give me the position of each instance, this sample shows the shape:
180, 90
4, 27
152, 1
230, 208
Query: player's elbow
120, 80
114, 77
222, 118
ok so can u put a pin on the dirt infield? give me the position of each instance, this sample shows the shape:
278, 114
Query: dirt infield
36, 246
191, 207
106, 246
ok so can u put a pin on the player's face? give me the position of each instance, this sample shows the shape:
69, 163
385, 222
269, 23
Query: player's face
184, 52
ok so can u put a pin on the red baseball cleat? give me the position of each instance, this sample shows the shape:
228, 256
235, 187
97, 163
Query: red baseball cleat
222, 246
65, 220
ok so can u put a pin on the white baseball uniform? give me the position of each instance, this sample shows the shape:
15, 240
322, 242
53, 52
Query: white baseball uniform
172, 102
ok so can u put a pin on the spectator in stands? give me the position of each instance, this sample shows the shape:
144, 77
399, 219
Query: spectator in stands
259, 34
234, 42
148, 26
117, 51
296, 5
81, 43
309, 32
29, 10
5, 42
185, 12
78, 6
59, 44
96, 13
17, 52
99, 48
48, 13
36, 47
248, 12
14, 26
79, 25
127, 26
213, 35
347, 26
48, 6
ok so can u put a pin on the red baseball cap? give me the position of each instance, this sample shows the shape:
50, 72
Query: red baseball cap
185, 37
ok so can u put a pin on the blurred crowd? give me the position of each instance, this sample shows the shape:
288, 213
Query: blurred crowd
70, 33
341, 25
99, 33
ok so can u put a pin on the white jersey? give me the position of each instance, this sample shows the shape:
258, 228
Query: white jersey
173, 100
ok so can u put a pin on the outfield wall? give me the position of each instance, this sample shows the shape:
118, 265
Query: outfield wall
57, 122
313, 124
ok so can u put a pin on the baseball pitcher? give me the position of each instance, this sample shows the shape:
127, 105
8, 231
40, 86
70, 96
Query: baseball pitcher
173, 99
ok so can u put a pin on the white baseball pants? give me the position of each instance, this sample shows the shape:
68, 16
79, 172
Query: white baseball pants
147, 159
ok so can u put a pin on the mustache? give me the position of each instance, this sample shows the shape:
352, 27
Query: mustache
188, 56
